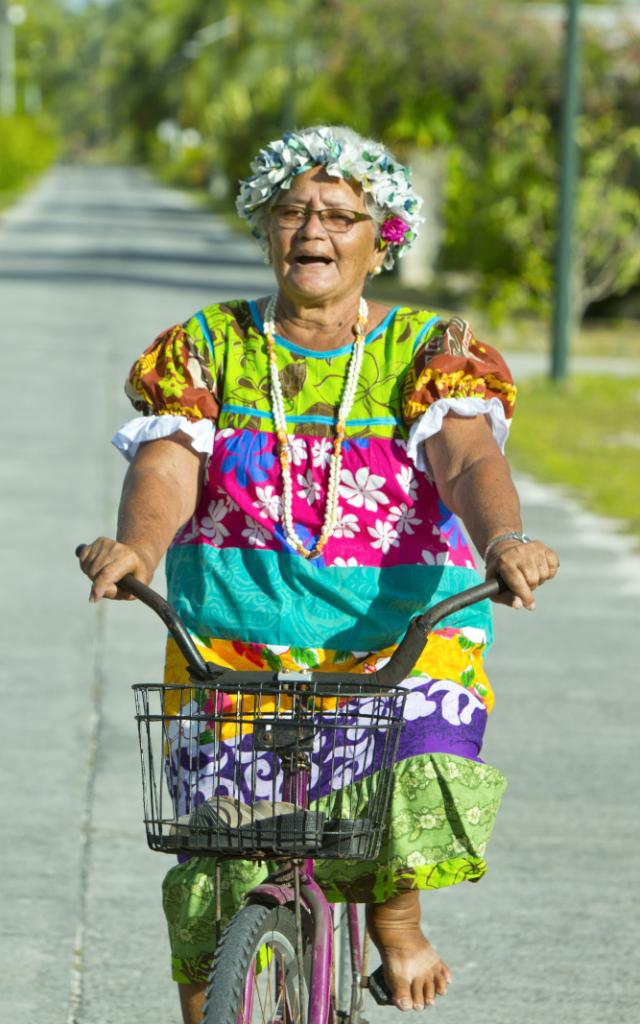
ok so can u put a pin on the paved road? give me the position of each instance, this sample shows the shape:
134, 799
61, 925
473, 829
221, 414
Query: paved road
536, 364
92, 265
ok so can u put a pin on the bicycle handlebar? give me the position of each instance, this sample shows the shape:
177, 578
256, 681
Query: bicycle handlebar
171, 619
397, 668
130, 585
413, 643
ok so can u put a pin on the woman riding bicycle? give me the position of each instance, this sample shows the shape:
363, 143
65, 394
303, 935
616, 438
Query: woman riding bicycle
304, 460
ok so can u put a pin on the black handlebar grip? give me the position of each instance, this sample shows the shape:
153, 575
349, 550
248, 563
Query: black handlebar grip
403, 658
172, 621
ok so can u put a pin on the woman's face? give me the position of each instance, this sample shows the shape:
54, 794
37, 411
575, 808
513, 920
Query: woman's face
312, 263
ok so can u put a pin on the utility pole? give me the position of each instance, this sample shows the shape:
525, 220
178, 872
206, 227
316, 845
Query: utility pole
7, 87
10, 16
563, 305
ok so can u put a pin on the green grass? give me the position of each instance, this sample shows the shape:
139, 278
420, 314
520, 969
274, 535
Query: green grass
28, 146
584, 435
10, 196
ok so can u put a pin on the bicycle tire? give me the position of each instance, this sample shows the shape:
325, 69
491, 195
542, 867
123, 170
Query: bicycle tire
253, 929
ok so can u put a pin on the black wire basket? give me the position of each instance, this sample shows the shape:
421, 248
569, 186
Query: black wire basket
289, 767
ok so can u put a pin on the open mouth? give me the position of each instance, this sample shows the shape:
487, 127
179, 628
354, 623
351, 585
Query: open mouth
313, 261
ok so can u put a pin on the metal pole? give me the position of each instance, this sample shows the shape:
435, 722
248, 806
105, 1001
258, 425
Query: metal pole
563, 311
7, 63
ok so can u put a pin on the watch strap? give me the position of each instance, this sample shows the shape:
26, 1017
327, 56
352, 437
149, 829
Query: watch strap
509, 535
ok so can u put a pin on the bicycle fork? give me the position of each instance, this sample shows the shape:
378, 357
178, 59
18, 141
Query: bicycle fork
311, 899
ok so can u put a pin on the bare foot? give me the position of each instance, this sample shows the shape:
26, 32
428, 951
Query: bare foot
413, 970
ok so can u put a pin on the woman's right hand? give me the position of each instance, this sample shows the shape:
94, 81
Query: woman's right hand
106, 561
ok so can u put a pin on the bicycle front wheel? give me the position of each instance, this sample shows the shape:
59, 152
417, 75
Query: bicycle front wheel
255, 977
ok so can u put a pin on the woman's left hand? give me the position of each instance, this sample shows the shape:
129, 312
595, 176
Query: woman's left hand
523, 567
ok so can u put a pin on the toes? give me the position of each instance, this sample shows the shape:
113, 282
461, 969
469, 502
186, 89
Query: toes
418, 994
430, 992
421, 992
442, 980
417, 980
435, 985
402, 996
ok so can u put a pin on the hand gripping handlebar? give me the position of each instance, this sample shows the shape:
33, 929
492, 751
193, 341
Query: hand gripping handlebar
397, 668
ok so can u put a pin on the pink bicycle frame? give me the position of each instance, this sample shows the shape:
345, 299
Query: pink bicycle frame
295, 790
312, 899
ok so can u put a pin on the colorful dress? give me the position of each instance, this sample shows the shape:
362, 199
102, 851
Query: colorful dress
250, 600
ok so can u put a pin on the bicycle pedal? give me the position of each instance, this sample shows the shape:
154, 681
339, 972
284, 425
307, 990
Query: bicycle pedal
379, 988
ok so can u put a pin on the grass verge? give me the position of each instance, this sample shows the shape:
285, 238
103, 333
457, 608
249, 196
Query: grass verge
10, 196
28, 145
584, 435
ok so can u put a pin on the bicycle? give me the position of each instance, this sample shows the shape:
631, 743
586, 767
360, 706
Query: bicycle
275, 960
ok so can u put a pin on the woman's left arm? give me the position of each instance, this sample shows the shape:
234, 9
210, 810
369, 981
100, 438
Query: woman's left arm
473, 480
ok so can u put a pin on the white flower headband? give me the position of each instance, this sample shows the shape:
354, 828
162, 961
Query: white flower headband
344, 154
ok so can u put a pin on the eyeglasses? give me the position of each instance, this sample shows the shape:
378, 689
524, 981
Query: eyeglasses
334, 220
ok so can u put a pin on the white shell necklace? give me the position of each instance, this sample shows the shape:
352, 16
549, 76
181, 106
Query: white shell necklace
284, 447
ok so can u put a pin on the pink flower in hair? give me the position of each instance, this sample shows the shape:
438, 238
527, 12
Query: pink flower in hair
394, 230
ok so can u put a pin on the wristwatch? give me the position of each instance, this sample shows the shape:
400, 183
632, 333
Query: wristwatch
509, 535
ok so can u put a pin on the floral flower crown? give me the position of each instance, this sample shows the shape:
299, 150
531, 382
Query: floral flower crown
344, 154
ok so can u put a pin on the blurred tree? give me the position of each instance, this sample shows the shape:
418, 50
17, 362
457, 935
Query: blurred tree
28, 146
28, 137
156, 81
501, 213
607, 250
42, 48
422, 74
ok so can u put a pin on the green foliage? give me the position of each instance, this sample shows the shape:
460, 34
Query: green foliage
28, 145
501, 213
409, 73
29, 136
423, 74
607, 249
481, 81
500, 209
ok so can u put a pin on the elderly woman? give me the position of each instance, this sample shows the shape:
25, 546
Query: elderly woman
305, 461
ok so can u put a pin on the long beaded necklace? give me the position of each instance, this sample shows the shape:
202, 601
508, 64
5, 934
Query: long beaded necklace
284, 448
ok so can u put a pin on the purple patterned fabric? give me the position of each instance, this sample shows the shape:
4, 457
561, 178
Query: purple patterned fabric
440, 717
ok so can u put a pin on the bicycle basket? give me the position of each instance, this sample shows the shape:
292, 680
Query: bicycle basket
288, 769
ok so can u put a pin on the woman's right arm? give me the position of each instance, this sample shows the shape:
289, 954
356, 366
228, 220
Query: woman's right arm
159, 495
